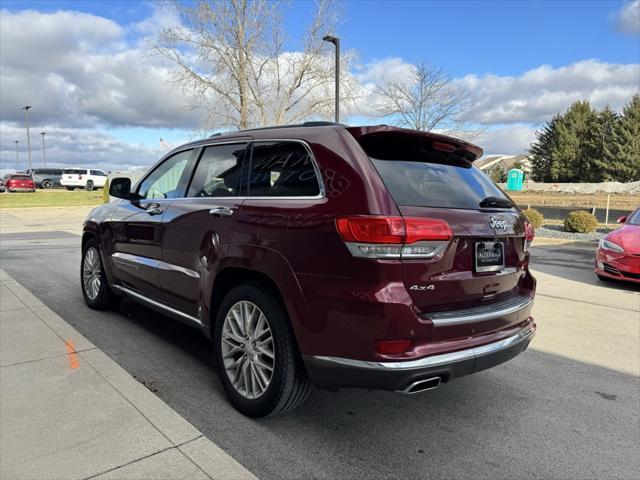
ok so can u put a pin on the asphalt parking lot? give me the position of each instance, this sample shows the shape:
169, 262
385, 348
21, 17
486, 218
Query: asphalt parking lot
569, 407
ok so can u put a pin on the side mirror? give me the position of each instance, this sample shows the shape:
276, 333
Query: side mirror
622, 219
120, 188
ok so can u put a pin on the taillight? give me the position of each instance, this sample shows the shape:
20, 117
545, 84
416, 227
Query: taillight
394, 237
528, 235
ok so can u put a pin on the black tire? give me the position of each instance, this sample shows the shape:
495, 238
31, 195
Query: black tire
104, 298
71, 189
289, 385
89, 185
47, 184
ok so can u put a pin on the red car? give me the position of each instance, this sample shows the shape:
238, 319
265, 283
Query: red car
618, 255
372, 257
20, 183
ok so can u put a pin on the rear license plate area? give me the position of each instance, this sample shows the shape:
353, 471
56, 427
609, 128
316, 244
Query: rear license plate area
489, 256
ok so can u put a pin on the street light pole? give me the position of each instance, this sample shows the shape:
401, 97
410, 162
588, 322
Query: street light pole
44, 152
26, 108
17, 157
336, 43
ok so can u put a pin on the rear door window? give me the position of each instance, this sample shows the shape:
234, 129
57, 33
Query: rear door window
282, 169
219, 172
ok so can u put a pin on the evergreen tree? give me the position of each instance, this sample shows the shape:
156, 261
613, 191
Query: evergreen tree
582, 145
626, 164
600, 147
541, 151
569, 157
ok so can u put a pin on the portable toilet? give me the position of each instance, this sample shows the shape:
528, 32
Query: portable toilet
515, 179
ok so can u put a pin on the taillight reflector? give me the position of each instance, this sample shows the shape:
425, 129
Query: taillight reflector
387, 347
392, 230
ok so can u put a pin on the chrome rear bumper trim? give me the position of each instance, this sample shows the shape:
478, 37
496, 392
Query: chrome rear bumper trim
436, 360
481, 314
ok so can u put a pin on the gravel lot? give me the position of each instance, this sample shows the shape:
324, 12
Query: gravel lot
557, 231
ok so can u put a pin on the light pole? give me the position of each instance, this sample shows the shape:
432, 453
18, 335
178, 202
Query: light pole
17, 158
336, 43
44, 152
26, 108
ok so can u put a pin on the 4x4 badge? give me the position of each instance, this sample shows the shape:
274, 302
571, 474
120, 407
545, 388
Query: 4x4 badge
497, 223
422, 287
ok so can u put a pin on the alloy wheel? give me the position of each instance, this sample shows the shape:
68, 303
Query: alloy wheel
91, 273
247, 349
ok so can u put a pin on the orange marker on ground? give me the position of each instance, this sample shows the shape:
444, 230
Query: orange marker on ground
71, 352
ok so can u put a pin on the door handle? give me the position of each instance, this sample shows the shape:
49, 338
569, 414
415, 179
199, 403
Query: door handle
221, 212
153, 209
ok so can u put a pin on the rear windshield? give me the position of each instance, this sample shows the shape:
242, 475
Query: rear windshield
421, 173
20, 177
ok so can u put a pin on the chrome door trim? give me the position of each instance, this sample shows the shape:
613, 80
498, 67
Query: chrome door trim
133, 261
158, 305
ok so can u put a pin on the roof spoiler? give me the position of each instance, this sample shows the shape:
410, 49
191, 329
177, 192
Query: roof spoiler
443, 143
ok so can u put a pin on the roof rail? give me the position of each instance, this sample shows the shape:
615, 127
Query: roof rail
298, 125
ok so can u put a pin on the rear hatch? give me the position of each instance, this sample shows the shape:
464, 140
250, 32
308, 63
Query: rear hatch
484, 263
72, 175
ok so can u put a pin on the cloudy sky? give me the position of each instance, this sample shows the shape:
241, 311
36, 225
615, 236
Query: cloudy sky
103, 100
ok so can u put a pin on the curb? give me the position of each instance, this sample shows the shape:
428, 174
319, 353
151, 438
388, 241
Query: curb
542, 241
182, 436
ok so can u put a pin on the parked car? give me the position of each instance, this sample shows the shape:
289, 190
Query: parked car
618, 253
46, 177
88, 179
19, 183
373, 257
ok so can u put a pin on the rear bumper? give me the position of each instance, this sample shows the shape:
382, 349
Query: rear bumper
334, 372
22, 189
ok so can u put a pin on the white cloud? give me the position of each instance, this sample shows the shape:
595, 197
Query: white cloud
84, 74
73, 147
533, 97
628, 18
509, 140
540, 93
76, 69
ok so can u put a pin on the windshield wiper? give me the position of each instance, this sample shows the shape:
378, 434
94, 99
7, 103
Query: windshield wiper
495, 202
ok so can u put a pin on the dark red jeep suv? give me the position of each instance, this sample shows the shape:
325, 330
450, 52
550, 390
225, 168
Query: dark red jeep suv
373, 257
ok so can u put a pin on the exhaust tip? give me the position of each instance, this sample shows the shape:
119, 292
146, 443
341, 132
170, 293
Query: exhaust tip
421, 385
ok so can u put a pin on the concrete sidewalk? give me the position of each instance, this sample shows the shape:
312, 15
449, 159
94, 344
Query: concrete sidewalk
67, 411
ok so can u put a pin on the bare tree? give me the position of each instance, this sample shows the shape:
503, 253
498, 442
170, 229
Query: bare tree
427, 99
229, 57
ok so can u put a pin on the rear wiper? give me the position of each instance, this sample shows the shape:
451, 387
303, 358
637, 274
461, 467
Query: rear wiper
495, 202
